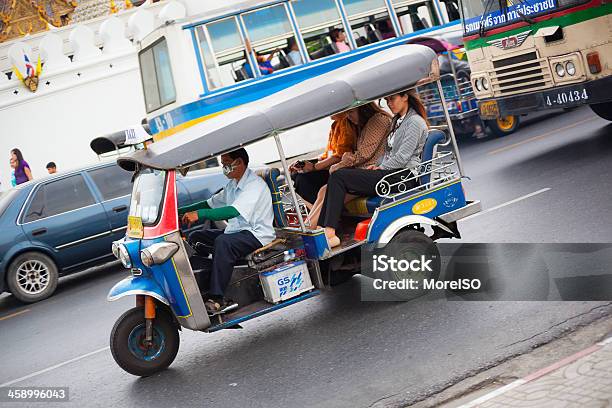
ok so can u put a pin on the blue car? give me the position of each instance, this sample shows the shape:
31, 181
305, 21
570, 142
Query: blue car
67, 222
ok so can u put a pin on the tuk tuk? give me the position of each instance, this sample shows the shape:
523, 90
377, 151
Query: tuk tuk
299, 264
462, 104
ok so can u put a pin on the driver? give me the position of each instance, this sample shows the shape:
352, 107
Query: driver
246, 204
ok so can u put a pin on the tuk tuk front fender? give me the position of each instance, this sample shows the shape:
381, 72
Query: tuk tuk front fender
137, 285
406, 221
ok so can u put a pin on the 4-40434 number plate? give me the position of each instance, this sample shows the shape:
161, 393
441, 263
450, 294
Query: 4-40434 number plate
568, 97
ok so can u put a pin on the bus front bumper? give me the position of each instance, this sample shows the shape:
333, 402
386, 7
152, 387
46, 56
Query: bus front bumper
569, 96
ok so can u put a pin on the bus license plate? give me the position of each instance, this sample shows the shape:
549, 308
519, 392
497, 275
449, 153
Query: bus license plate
561, 99
489, 110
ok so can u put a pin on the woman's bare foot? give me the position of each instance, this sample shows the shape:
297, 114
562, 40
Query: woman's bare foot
332, 238
333, 241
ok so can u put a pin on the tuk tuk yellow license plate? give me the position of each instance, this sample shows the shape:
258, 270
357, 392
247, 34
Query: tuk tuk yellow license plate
489, 110
135, 227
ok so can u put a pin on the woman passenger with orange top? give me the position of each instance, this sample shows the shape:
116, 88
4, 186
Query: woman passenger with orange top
310, 176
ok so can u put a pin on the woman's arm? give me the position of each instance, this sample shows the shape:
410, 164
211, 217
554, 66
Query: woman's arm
326, 163
28, 172
408, 143
373, 134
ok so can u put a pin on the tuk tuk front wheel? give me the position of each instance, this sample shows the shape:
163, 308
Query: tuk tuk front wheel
503, 126
130, 350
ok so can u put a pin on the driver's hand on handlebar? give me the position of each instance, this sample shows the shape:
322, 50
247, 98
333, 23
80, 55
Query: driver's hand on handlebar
189, 218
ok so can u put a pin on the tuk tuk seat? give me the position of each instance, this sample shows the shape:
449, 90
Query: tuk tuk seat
270, 176
365, 206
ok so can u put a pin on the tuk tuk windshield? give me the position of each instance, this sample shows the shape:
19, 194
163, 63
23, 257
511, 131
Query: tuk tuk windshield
147, 195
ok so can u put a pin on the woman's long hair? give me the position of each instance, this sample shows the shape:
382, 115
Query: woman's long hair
415, 103
367, 111
19, 155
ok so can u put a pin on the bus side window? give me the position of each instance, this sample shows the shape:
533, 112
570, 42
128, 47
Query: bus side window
271, 35
414, 17
369, 20
316, 18
451, 10
223, 52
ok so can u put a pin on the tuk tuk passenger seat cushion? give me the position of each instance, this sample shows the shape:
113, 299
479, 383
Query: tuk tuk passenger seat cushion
433, 138
270, 176
365, 206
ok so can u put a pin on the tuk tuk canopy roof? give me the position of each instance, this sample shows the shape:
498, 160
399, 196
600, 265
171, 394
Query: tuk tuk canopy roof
120, 139
384, 73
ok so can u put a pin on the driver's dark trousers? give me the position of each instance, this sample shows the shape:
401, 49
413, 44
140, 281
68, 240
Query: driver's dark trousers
227, 250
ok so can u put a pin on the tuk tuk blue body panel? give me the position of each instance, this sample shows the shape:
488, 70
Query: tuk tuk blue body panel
430, 204
137, 285
163, 277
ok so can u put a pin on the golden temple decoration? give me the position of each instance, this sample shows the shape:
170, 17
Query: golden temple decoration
21, 17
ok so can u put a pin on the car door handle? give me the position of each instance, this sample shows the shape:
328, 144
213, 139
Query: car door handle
39, 231
120, 208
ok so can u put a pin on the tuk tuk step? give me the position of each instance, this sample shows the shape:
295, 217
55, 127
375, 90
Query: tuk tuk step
255, 310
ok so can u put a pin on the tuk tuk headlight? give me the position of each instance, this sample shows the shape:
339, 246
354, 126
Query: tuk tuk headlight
115, 250
158, 253
124, 256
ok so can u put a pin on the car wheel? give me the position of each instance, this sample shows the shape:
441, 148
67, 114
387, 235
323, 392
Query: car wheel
32, 277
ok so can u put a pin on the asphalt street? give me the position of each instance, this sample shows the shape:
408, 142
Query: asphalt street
548, 183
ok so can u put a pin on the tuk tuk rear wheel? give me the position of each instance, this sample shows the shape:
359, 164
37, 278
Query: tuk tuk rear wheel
411, 244
128, 347
503, 126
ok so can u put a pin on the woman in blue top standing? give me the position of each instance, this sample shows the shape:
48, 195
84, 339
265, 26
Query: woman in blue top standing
23, 174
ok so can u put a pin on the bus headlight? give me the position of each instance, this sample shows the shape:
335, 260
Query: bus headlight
485, 83
570, 68
560, 70
158, 253
124, 256
478, 84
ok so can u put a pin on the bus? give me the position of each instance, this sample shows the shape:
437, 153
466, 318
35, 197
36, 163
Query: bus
531, 55
197, 67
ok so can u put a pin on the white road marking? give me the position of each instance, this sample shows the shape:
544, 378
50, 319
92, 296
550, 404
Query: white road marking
542, 136
46, 370
493, 394
507, 203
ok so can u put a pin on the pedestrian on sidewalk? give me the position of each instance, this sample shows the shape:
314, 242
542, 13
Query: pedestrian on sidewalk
21, 167
51, 168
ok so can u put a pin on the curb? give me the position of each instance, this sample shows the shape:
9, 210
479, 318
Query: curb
537, 374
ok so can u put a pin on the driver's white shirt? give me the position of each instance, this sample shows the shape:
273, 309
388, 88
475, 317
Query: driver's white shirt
251, 197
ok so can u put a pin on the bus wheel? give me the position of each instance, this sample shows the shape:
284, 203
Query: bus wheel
603, 110
412, 245
127, 342
503, 126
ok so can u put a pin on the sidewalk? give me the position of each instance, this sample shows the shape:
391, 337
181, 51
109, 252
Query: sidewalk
582, 380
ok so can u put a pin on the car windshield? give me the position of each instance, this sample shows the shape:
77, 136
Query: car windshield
147, 195
6, 198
